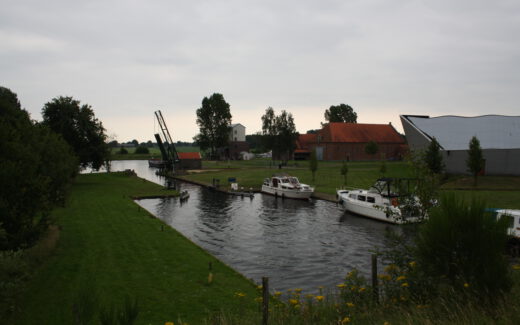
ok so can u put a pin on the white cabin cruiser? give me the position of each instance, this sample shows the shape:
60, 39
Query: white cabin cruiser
514, 220
286, 187
382, 202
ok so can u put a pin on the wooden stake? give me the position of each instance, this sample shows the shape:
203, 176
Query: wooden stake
265, 300
375, 288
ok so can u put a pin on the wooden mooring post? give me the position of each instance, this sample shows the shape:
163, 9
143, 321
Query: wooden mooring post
265, 300
375, 287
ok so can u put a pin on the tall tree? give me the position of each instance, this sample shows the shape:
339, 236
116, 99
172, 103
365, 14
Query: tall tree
475, 161
341, 113
279, 133
433, 157
78, 125
36, 167
214, 121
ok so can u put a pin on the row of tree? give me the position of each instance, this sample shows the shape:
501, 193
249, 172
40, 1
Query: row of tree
278, 131
39, 161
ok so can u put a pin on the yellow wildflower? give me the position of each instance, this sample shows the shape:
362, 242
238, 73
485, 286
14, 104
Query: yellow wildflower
353, 288
259, 299
298, 290
391, 268
259, 287
466, 285
169, 323
349, 304
293, 301
386, 323
240, 294
345, 320
362, 289
277, 294
516, 267
401, 278
404, 285
341, 286
412, 264
319, 298
385, 277
297, 306
351, 274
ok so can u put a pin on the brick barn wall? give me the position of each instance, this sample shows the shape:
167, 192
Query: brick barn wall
356, 151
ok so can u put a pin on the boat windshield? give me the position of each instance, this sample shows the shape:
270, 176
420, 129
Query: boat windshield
385, 188
294, 180
285, 180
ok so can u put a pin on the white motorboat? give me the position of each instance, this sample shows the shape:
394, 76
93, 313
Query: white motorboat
382, 202
286, 186
514, 220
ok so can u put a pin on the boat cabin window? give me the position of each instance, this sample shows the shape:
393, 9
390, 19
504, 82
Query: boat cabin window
362, 198
352, 196
371, 199
511, 220
275, 182
285, 180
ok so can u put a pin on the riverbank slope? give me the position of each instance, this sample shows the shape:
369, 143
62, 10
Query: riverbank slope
110, 248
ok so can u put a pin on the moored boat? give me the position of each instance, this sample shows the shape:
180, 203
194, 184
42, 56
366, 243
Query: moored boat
286, 187
382, 202
514, 220
156, 163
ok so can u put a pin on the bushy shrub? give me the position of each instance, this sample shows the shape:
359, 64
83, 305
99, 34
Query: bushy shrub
142, 150
122, 151
463, 246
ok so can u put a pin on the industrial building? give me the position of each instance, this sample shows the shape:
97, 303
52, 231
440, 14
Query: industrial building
499, 138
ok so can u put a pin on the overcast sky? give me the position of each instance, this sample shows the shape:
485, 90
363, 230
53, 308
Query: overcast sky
382, 57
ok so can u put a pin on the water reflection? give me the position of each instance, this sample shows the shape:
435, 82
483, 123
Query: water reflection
297, 244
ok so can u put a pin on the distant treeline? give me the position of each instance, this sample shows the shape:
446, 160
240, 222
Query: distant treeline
149, 144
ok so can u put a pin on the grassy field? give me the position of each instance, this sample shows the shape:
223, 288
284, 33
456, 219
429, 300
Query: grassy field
498, 191
154, 153
110, 248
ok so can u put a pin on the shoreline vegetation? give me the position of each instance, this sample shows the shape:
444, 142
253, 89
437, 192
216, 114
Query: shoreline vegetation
106, 250
498, 191
109, 248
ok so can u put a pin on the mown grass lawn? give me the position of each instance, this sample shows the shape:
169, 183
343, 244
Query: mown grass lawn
497, 191
110, 248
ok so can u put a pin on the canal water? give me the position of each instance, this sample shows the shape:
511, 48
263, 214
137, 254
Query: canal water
297, 244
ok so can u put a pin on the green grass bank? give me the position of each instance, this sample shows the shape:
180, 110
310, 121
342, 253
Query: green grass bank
497, 191
110, 248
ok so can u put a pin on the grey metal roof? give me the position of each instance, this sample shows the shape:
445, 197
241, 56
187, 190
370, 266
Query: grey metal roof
455, 132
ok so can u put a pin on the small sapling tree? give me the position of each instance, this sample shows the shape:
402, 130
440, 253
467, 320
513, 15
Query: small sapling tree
371, 148
344, 172
313, 164
475, 161
433, 157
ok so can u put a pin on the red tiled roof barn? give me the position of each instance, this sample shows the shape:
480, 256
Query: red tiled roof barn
347, 141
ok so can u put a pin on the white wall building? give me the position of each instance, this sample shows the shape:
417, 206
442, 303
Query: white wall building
238, 133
